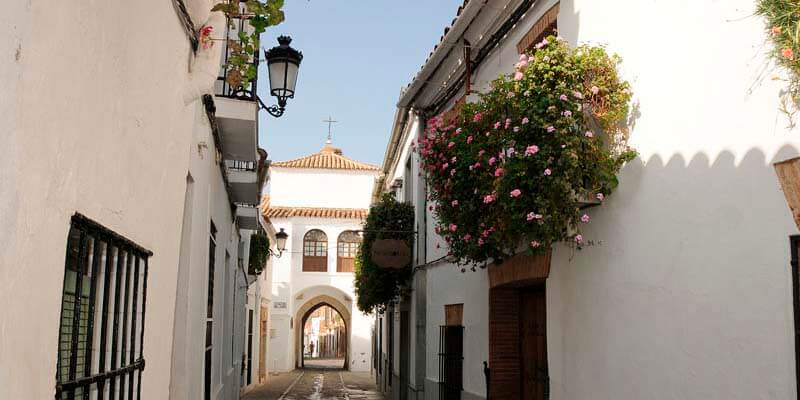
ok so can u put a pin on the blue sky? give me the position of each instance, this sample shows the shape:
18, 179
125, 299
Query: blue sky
357, 56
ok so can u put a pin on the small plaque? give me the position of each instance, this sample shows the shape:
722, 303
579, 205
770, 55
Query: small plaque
280, 304
391, 253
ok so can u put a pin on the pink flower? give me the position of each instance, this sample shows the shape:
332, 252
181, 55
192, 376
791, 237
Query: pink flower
525, 120
510, 95
601, 197
518, 76
585, 219
477, 165
567, 113
481, 153
511, 151
498, 172
480, 242
535, 244
516, 129
563, 97
522, 64
497, 125
577, 94
508, 122
595, 90
531, 150
551, 129
527, 93
787, 53
531, 216
516, 193
589, 134
492, 161
579, 239
450, 145
467, 237
458, 131
453, 227
489, 198
452, 172
547, 172
469, 139
454, 159
523, 57
477, 117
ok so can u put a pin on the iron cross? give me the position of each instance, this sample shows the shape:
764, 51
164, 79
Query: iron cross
330, 122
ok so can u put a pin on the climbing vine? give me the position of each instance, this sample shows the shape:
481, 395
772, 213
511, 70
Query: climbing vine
259, 253
783, 29
260, 14
512, 171
378, 287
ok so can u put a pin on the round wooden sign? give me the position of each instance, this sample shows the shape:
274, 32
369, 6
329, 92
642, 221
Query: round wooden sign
391, 253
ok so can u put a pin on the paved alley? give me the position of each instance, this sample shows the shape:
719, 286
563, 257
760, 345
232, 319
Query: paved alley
317, 384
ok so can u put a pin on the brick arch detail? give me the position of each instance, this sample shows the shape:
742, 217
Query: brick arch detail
305, 310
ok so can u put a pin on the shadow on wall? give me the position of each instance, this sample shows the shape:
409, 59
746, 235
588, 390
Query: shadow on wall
688, 262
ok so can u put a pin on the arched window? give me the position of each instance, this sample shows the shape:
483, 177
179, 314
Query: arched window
347, 248
315, 251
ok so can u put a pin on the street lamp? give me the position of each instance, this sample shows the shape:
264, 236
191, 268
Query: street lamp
280, 242
283, 63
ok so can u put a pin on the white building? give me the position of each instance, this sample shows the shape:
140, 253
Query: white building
320, 201
123, 168
687, 292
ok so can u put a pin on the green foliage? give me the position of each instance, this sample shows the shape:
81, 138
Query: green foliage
260, 14
511, 171
783, 28
259, 253
377, 287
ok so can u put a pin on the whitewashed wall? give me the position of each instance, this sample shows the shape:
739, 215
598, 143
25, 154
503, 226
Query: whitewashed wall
93, 123
298, 187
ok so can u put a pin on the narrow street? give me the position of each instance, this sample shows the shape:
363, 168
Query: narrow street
317, 384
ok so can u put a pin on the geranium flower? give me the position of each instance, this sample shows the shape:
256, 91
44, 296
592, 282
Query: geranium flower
450, 145
515, 193
516, 129
577, 94
788, 53
469, 139
595, 90
518, 76
477, 117
497, 125
508, 122
480, 242
531, 150
453, 227
601, 197
467, 237
458, 131
525, 120
589, 134
563, 97
527, 93
498, 172
510, 95
205, 37
567, 113
481, 152
452, 172
551, 129
579, 238
585, 219
454, 159
511, 151
444, 166
548, 172
535, 244
492, 161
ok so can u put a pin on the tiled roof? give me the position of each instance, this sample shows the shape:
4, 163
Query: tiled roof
441, 38
340, 213
327, 158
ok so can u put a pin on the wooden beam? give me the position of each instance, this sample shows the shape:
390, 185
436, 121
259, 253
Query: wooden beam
788, 172
519, 270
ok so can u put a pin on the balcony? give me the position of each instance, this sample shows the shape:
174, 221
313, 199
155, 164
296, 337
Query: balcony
247, 217
243, 181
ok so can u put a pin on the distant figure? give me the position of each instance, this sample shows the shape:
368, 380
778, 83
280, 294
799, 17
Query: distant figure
311, 347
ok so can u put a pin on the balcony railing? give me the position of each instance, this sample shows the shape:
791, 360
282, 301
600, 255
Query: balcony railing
239, 165
249, 90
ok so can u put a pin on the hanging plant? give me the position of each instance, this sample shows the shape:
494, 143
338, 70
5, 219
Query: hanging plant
783, 29
513, 170
378, 287
260, 14
259, 253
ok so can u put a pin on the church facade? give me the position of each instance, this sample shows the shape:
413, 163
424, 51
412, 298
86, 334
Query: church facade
305, 199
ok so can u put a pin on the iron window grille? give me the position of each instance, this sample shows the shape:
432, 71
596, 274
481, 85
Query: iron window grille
451, 361
101, 332
209, 347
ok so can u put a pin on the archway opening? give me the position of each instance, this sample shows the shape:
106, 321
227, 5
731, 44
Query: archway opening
324, 341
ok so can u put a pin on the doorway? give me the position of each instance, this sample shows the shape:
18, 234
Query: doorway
324, 338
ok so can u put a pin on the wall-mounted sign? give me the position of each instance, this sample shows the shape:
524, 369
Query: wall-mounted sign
280, 304
391, 253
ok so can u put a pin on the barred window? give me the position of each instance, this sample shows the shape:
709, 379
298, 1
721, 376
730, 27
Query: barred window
102, 315
347, 247
315, 251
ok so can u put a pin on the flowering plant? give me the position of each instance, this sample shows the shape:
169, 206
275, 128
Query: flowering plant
260, 14
783, 18
513, 169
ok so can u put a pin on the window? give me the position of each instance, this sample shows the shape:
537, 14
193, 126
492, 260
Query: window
545, 26
212, 251
315, 251
102, 314
451, 360
347, 247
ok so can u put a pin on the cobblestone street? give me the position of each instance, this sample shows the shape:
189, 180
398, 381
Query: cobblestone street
317, 384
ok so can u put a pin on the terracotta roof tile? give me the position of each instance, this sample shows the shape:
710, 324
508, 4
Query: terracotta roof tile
340, 213
327, 158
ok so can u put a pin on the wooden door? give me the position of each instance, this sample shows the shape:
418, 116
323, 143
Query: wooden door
533, 343
262, 346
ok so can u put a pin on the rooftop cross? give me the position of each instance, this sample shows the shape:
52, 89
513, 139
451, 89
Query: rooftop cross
330, 122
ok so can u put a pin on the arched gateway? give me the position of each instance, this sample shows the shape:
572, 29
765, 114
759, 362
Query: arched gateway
306, 310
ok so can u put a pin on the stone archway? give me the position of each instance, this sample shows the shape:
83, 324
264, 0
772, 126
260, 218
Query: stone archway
309, 307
